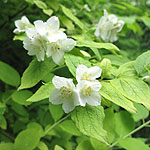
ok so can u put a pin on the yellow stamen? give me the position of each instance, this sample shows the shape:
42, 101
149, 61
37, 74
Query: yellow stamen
65, 92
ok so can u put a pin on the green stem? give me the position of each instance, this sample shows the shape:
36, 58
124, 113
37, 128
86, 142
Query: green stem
132, 132
57, 68
56, 123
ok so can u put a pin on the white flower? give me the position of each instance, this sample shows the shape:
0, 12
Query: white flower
46, 39
35, 44
22, 24
57, 49
89, 74
50, 29
64, 93
88, 92
108, 27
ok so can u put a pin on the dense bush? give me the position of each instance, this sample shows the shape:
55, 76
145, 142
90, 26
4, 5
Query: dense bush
74, 74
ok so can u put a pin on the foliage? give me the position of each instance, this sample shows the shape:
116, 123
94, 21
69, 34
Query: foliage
28, 121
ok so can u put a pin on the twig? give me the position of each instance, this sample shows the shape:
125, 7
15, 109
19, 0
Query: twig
13, 16
132, 132
55, 124
5, 134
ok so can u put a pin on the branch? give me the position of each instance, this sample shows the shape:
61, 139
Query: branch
55, 124
5, 134
132, 132
13, 16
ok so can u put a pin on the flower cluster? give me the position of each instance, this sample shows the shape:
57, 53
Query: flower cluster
86, 91
45, 38
108, 26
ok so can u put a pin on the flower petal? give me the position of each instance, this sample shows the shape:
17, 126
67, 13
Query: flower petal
55, 97
40, 27
94, 99
16, 31
27, 44
105, 31
25, 20
81, 69
95, 72
105, 13
68, 44
58, 57
31, 32
53, 23
113, 18
68, 105
49, 50
61, 81
59, 35
95, 85
40, 55
120, 25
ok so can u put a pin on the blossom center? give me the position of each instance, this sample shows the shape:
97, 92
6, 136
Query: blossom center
86, 77
56, 47
87, 91
65, 92
23, 26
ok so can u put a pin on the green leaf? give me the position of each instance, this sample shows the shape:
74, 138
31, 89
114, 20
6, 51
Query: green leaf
20, 37
146, 20
42, 93
89, 120
48, 11
109, 124
53, 4
37, 127
142, 112
6, 146
27, 140
66, 22
42, 146
3, 123
19, 109
115, 60
30, 1
57, 147
113, 95
69, 126
128, 19
48, 77
9, 75
35, 72
83, 144
97, 53
109, 46
56, 111
141, 63
2, 109
73, 61
40, 4
97, 145
20, 97
124, 123
126, 70
134, 89
133, 144
106, 67
69, 14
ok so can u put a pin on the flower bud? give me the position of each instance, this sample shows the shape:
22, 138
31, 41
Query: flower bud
146, 79
106, 67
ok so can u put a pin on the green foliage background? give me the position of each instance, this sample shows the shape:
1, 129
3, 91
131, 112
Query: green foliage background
29, 122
